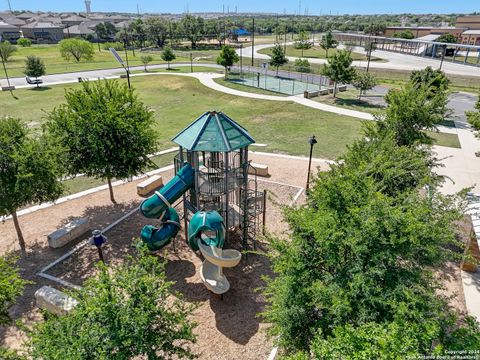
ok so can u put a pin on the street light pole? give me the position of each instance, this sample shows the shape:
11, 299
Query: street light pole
6, 75
253, 39
312, 141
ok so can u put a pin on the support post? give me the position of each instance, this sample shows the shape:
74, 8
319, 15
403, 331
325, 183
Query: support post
226, 191
253, 39
264, 215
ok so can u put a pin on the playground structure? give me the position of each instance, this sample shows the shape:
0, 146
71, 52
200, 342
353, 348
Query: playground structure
219, 197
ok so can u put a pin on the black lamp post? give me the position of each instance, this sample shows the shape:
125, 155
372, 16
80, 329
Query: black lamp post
98, 239
444, 47
312, 141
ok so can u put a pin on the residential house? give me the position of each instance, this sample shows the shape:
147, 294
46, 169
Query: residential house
43, 32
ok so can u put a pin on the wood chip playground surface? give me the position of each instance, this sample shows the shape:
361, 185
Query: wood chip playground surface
228, 328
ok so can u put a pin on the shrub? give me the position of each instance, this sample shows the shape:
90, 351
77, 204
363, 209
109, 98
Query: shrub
24, 42
302, 65
119, 46
77, 49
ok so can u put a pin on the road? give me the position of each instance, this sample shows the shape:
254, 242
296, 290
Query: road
394, 61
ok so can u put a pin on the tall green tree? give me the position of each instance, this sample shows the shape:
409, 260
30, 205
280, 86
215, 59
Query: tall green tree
105, 31
447, 38
339, 69
303, 41
156, 30
217, 29
356, 278
412, 110
77, 49
6, 50
34, 67
436, 79
193, 28
364, 81
127, 311
168, 55
473, 118
278, 57
29, 171
405, 34
328, 42
227, 58
138, 32
375, 29
105, 131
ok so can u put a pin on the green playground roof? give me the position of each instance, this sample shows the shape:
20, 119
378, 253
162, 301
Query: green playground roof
215, 132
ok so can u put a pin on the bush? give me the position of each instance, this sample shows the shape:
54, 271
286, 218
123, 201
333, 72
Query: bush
117, 45
24, 42
6, 50
302, 65
127, 311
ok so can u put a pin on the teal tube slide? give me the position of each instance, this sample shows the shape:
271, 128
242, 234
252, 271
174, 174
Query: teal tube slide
157, 204
157, 238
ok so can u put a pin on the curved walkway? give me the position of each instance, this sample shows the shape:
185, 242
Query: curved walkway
395, 61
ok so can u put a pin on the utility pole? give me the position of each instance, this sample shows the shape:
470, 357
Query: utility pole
253, 39
6, 75
126, 58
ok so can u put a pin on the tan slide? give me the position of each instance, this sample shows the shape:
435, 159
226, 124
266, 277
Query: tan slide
211, 271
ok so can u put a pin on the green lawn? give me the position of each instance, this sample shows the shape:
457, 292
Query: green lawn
103, 59
175, 69
444, 139
177, 101
349, 99
316, 52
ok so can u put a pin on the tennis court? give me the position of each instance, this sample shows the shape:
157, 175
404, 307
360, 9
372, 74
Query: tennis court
280, 84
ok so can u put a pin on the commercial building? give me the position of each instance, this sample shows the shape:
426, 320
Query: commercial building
469, 22
421, 31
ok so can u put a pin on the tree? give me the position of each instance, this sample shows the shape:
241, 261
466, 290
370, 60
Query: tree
339, 69
29, 171
473, 118
364, 81
168, 55
138, 32
24, 42
146, 59
375, 29
405, 34
278, 57
105, 31
436, 79
105, 131
356, 277
215, 28
328, 42
6, 50
303, 41
193, 28
34, 67
127, 311
227, 57
78, 49
447, 38
412, 110
156, 30
302, 65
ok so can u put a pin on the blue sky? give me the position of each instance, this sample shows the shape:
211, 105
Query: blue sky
314, 6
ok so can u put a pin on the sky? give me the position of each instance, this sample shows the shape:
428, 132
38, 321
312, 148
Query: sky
315, 7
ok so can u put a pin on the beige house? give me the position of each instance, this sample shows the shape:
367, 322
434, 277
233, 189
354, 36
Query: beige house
43, 32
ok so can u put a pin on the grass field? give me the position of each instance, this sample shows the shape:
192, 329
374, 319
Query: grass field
102, 59
175, 69
177, 101
316, 52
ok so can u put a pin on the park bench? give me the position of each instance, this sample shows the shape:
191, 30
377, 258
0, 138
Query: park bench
54, 301
312, 94
258, 169
34, 81
69, 232
152, 183
8, 88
